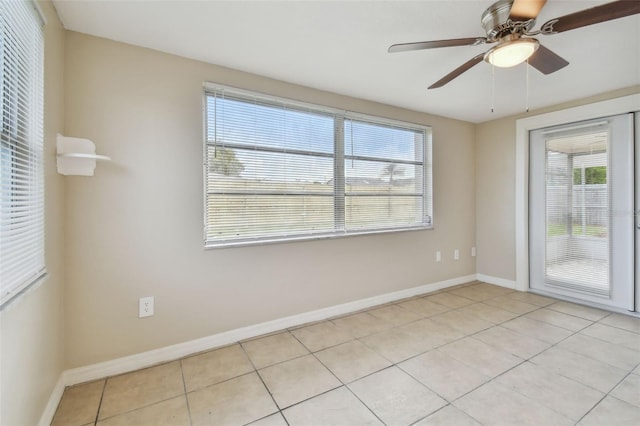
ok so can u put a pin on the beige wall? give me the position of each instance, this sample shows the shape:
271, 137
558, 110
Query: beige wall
495, 188
32, 325
495, 198
135, 228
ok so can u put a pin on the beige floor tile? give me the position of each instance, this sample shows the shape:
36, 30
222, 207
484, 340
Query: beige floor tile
395, 315
592, 314
480, 292
293, 381
141, 388
337, 407
494, 404
498, 290
322, 335
214, 366
397, 344
351, 361
467, 324
444, 375
450, 300
612, 412
484, 375
597, 374
625, 322
272, 420
559, 319
512, 305
237, 401
467, 284
537, 329
423, 307
448, 416
558, 385
629, 390
431, 331
616, 355
79, 404
273, 349
614, 335
559, 393
476, 292
395, 397
487, 313
532, 299
511, 342
362, 324
172, 412
483, 358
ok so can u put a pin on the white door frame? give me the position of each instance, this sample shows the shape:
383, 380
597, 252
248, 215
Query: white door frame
618, 246
606, 108
636, 219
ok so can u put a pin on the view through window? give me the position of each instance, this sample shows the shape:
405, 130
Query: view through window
278, 170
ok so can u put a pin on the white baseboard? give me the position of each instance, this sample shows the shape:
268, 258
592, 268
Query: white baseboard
180, 350
54, 399
497, 281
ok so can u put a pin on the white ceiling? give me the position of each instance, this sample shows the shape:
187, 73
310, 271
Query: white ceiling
341, 46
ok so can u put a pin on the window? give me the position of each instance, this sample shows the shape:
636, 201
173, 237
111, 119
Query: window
280, 170
21, 138
384, 175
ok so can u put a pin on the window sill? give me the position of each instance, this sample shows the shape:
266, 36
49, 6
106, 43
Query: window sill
312, 237
16, 294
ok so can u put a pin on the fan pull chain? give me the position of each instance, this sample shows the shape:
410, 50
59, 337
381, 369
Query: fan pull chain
527, 94
493, 86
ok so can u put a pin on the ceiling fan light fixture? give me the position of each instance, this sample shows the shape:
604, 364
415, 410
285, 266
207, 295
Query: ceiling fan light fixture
512, 52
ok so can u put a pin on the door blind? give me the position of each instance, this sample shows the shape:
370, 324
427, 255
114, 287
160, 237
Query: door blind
578, 210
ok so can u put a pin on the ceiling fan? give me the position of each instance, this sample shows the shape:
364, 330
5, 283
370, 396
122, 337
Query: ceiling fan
509, 22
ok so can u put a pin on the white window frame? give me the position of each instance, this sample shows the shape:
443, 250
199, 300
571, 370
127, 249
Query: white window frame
22, 259
338, 156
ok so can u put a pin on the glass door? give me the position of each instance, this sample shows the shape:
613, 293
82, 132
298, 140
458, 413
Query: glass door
581, 211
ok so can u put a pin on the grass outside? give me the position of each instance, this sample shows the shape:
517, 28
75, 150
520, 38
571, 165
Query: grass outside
557, 229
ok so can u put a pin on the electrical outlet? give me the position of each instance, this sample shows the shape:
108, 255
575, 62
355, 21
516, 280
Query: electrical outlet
456, 254
145, 308
438, 256
473, 252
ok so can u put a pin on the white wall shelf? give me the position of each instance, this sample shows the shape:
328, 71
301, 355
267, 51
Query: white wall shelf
77, 156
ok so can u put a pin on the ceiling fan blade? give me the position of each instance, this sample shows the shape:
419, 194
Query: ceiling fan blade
455, 73
547, 62
594, 15
523, 10
403, 47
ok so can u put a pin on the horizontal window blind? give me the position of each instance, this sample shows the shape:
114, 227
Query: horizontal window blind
384, 176
578, 210
280, 170
21, 137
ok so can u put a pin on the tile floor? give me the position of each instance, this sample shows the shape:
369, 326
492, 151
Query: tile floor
475, 354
